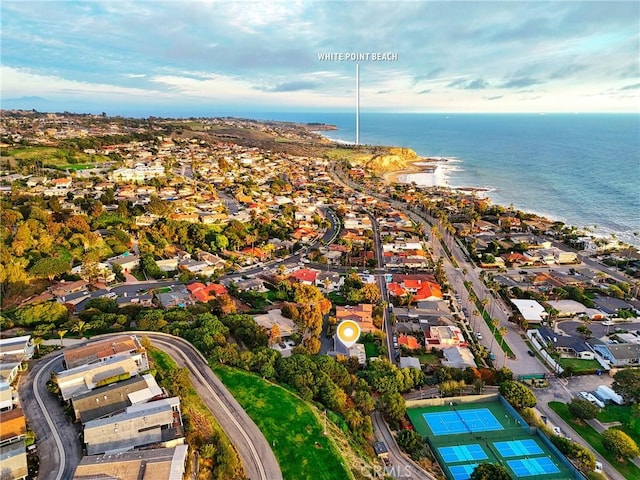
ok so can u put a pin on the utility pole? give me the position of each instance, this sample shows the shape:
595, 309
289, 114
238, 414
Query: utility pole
357, 104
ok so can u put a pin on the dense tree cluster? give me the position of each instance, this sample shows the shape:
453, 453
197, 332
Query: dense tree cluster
581, 455
517, 394
620, 443
582, 409
627, 383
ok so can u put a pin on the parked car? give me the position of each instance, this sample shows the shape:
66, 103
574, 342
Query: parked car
531, 354
598, 468
479, 336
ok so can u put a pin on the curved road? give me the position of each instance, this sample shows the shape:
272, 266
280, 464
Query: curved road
400, 466
60, 450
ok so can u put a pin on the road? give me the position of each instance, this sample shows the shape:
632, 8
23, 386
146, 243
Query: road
60, 449
400, 465
58, 446
256, 454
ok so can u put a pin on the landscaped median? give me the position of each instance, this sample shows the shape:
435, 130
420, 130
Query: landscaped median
593, 438
293, 428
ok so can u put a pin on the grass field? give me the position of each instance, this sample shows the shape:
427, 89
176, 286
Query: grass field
57, 157
289, 424
626, 468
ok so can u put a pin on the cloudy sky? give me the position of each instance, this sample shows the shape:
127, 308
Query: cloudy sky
175, 56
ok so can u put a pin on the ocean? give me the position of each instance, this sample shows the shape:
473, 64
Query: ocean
582, 169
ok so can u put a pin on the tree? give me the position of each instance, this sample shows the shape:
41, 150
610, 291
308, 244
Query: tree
276, 336
62, 333
49, 267
584, 331
582, 409
620, 443
223, 305
371, 293
79, 327
489, 471
627, 383
393, 407
518, 395
412, 443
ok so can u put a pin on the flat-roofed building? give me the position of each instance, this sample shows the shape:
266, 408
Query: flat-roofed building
80, 380
113, 399
104, 350
154, 464
13, 454
157, 422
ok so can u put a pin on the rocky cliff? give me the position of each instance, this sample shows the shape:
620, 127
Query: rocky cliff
391, 159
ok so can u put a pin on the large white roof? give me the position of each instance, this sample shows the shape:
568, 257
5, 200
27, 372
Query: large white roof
531, 310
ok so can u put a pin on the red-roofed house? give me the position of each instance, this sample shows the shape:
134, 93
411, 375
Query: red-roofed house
408, 341
204, 293
421, 287
306, 276
361, 314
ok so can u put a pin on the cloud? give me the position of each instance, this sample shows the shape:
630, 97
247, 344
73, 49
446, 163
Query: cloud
295, 86
520, 82
497, 97
634, 86
477, 84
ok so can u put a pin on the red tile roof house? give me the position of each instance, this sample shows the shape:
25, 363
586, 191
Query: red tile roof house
408, 341
204, 293
420, 288
361, 314
304, 275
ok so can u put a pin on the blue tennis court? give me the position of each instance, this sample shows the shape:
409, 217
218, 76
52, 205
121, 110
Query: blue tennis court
518, 448
454, 421
532, 466
462, 472
462, 453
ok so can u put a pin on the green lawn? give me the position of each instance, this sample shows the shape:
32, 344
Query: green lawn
429, 359
622, 414
593, 438
579, 366
289, 424
371, 349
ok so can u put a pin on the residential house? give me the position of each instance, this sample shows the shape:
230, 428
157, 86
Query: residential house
408, 341
13, 352
110, 399
158, 422
421, 287
458, 357
179, 296
127, 262
362, 314
62, 289
354, 351
410, 362
530, 310
13, 453
7, 397
611, 305
617, 354
305, 276
565, 345
101, 351
204, 293
156, 464
329, 281
80, 380
443, 336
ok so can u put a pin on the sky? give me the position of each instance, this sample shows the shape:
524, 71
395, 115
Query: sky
188, 58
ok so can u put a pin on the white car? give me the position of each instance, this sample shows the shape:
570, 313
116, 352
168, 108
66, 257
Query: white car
598, 468
479, 336
608, 323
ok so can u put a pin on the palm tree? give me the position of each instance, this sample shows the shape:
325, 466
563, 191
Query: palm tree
495, 322
503, 333
79, 327
62, 333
